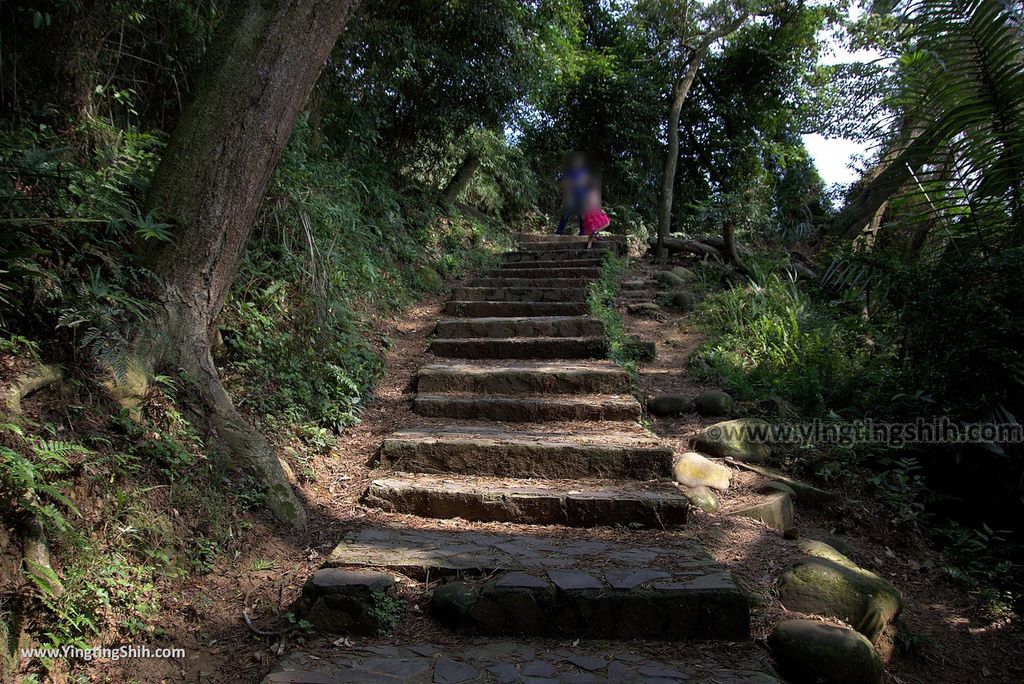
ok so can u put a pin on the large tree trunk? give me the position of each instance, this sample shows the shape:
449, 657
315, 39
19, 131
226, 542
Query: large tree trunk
884, 180
668, 174
463, 175
211, 180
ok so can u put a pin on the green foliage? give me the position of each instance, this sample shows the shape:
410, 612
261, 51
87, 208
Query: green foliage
387, 610
338, 244
73, 210
601, 304
980, 559
772, 339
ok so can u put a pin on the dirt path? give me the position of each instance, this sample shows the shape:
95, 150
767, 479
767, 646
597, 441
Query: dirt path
954, 640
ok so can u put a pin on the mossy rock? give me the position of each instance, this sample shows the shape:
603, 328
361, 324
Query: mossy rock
643, 309
430, 279
683, 301
775, 511
639, 348
703, 498
813, 652
682, 272
668, 405
668, 280
741, 439
452, 603
831, 584
713, 403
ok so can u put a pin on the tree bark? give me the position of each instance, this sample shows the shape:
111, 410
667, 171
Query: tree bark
668, 174
255, 80
883, 181
463, 175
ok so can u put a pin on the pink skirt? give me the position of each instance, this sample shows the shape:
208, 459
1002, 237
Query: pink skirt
595, 220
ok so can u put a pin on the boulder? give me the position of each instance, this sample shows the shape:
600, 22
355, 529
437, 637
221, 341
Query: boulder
452, 603
772, 486
819, 549
683, 301
644, 309
741, 439
693, 470
776, 407
668, 280
639, 348
831, 584
430, 279
703, 498
713, 403
775, 511
665, 405
682, 272
816, 652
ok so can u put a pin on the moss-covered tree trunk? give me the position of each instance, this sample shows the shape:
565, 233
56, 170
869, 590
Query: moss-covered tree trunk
463, 175
211, 180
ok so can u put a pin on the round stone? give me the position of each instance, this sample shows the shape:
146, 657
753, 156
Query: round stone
453, 602
815, 652
713, 403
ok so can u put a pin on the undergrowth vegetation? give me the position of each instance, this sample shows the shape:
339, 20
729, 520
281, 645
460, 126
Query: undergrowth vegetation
776, 338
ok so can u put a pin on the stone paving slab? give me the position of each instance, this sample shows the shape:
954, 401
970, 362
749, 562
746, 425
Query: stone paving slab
521, 326
562, 586
515, 661
524, 377
527, 409
476, 309
579, 503
520, 294
526, 347
523, 454
442, 553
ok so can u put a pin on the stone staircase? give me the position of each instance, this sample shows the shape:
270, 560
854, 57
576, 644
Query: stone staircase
525, 423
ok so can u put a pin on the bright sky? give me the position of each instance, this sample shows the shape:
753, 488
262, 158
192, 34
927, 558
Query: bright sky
833, 156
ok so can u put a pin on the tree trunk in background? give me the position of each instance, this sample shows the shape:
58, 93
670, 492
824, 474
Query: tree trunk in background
729, 250
879, 184
254, 83
668, 175
463, 175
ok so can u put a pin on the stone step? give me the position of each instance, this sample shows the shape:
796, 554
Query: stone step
575, 255
542, 280
520, 348
527, 409
504, 309
574, 503
524, 377
548, 455
588, 272
519, 294
587, 262
563, 239
518, 661
566, 246
521, 326
572, 586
